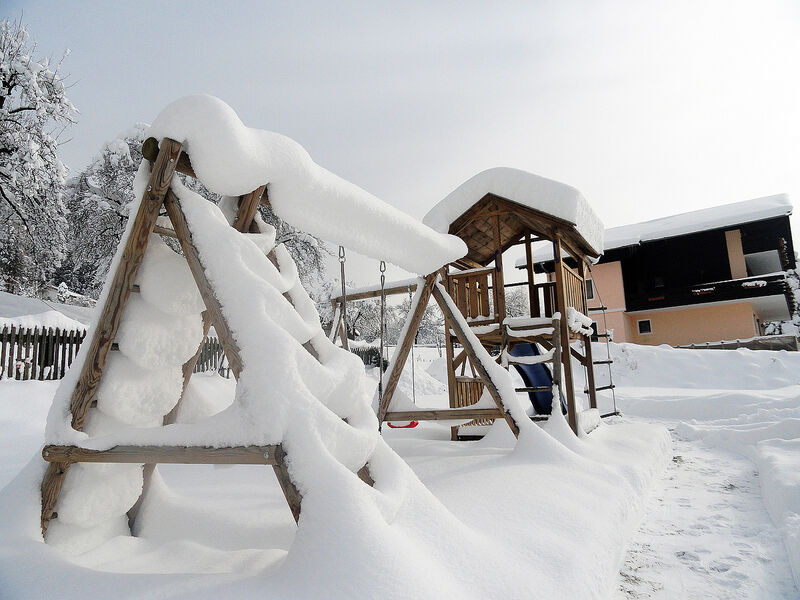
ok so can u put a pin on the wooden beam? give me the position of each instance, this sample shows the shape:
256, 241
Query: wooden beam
401, 354
166, 231
389, 291
456, 325
561, 301
248, 206
119, 291
111, 314
213, 306
290, 491
183, 455
444, 414
150, 151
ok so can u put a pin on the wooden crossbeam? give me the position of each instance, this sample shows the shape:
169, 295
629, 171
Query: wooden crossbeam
184, 455
111, 313
444, 414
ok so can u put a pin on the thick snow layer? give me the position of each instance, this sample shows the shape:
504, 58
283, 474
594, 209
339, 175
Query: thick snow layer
135, 395
578, 322
545, 195
716, 217
209, 531
19, 311
94, 493
153, 339
166, 282
231, 160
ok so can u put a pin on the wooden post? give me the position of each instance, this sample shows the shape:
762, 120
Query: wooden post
499, 280
473, 357
401, 354
561, 303
533, 293
111, 313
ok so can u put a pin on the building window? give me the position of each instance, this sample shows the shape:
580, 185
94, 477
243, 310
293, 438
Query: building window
645, 326
589, 289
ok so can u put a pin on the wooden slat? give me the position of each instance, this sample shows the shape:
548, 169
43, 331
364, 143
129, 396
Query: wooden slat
474, 308
191, 455
461, 298
401, 354
483, 294
4, 335
111, 313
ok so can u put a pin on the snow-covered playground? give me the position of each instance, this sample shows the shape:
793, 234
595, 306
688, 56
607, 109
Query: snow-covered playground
623, 513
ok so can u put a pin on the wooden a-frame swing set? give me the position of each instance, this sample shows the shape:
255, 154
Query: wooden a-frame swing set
167, 159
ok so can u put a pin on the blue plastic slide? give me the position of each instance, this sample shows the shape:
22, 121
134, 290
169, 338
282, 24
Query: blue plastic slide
537, 376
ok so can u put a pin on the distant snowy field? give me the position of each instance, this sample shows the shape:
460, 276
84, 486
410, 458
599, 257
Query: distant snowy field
557, 527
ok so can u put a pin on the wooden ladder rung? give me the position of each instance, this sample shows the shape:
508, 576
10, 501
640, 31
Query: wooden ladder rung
539, 417
600, 389
602, 362
538, 388
444, 414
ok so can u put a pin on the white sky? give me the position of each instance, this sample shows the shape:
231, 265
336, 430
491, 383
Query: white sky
649, 108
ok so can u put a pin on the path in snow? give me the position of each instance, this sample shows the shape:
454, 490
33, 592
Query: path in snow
706, 534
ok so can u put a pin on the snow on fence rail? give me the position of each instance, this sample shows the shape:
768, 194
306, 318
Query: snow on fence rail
46, 353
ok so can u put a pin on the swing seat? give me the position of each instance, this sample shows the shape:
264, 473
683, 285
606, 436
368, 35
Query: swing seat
410, 425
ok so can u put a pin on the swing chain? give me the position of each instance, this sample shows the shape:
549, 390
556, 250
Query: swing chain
413, 360
382, 330
344, 295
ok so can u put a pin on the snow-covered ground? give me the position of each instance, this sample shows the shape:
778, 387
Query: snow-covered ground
602, 523
725, 522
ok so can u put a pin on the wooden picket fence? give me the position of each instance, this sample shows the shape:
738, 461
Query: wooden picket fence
37, 353
47, 353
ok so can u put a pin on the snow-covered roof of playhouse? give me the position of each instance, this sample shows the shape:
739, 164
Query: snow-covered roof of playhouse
539, 193
695, 221
232, 159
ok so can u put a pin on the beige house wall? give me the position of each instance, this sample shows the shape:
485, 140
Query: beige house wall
695, 324
608, 284
733, 239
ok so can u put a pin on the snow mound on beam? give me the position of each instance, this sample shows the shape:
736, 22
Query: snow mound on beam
539, 193
232, 159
